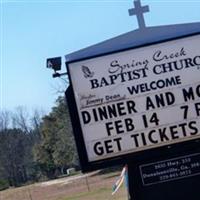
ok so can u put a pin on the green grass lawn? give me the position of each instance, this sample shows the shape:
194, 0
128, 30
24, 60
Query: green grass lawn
95, 187
100, 194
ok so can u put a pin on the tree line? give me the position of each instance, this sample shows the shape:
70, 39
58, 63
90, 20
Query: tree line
36, 147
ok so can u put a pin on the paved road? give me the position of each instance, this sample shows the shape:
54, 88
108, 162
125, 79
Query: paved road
66, 180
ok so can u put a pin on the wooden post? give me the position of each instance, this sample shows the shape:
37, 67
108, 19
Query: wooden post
29, 193
87, 183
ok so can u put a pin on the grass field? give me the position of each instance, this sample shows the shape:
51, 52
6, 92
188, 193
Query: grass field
93, 187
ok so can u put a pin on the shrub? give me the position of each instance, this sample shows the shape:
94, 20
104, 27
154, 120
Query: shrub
3, 184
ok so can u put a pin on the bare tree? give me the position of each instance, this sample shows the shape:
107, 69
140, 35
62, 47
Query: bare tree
4, 120
20, 119
36, 121
60, 86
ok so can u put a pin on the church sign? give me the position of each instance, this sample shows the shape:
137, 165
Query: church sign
138, 99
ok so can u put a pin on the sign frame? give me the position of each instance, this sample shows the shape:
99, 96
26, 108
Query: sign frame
136, 157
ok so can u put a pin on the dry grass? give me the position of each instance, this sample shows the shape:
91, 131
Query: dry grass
99, 187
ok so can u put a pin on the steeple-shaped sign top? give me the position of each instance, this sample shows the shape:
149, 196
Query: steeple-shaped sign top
139, 11
142, 36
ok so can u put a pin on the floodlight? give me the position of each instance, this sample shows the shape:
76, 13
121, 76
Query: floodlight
54, 63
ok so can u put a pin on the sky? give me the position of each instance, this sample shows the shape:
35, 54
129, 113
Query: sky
32, 31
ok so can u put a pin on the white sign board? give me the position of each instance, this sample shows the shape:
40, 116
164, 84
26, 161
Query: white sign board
139, 99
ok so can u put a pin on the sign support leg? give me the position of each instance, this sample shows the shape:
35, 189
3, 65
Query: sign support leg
129, 182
